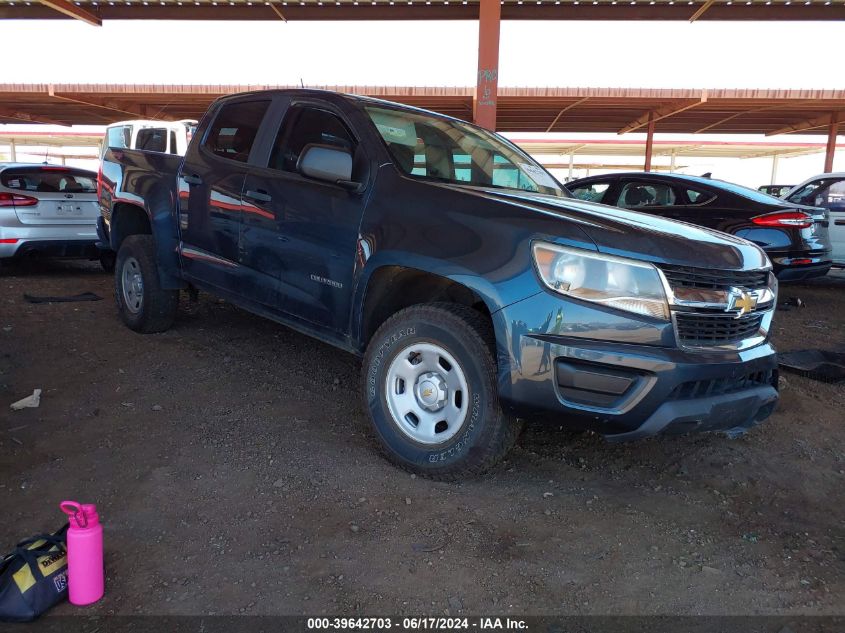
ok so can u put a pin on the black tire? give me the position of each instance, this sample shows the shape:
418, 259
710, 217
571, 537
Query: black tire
156, 310
486, 434
107, 260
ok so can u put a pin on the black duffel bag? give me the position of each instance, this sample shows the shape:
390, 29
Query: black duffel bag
33, 577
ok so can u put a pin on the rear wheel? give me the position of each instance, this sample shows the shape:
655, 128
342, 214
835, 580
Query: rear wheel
430, 380
141, 302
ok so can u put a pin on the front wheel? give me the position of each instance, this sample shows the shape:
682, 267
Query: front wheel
429, 380
141, 302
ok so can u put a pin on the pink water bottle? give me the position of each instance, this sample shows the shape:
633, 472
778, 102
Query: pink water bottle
84, 553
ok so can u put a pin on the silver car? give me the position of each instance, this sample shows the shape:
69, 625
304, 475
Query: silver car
48, 209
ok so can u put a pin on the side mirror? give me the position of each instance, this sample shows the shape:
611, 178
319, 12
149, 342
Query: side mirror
327, 163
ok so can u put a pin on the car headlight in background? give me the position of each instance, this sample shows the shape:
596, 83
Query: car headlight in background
626, 284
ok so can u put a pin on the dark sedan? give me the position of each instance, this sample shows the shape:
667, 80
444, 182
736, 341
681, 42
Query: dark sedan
795, 237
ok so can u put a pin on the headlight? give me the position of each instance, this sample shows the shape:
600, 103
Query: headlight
616, 282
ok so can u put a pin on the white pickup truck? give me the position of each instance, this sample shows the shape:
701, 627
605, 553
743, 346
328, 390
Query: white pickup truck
167, 137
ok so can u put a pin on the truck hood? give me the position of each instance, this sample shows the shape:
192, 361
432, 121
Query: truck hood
637, 235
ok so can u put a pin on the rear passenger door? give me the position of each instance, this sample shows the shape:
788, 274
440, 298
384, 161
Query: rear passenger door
302, 231
210, 187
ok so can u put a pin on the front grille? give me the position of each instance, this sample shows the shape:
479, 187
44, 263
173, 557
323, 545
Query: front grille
690, 277
720, 386
707, 329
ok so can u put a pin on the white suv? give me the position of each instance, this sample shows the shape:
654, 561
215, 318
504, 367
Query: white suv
827, 191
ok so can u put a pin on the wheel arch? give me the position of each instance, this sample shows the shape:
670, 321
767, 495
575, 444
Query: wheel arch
388, 288
127, 219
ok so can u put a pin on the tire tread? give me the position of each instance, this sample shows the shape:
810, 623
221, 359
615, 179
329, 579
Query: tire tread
160, 306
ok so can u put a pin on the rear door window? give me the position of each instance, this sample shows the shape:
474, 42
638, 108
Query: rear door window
152, 139
593, 192
49, 180
699, 197
234, 129
645, 194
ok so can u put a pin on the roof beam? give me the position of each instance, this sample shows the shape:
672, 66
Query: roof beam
665, 112
810, 124
8, 113
701, 10
109, 105
566, 109
69, 9
784, 153
751, 111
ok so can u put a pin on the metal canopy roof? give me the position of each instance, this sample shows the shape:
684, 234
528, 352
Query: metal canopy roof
95, 11
536, 147
618, 110
686, 147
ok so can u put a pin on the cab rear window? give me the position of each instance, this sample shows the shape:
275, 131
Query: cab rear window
152, 139
49, 180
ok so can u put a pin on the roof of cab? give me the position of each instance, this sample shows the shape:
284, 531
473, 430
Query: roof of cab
316, 92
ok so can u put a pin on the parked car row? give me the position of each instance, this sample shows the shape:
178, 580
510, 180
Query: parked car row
795, 236
52, 209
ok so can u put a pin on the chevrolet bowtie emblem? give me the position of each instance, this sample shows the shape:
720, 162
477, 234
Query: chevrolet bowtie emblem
741, 302
426, 393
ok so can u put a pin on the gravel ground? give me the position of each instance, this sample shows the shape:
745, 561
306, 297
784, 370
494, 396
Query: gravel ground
234, 473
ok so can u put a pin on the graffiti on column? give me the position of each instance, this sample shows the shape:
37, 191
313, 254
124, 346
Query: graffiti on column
488, 94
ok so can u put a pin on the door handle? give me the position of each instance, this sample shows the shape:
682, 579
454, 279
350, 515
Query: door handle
258, 195
193, 179
839, 222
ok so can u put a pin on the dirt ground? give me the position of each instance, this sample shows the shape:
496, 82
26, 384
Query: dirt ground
234, 473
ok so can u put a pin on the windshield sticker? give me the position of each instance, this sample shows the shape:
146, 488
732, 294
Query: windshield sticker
394, 129
538, 175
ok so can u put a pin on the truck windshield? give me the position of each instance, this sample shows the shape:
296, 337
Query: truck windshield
447, 150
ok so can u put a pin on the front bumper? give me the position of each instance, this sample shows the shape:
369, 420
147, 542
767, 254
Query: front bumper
628, 381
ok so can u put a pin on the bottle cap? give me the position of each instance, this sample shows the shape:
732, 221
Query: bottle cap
80, 515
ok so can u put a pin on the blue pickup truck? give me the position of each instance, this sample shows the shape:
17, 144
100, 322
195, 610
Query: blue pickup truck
477, 290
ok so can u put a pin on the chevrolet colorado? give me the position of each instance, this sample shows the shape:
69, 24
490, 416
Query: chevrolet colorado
476, 289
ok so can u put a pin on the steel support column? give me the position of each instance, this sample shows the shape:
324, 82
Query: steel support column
571, 163
775, 158
487, 86
649, 142
13, 151
831, 142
